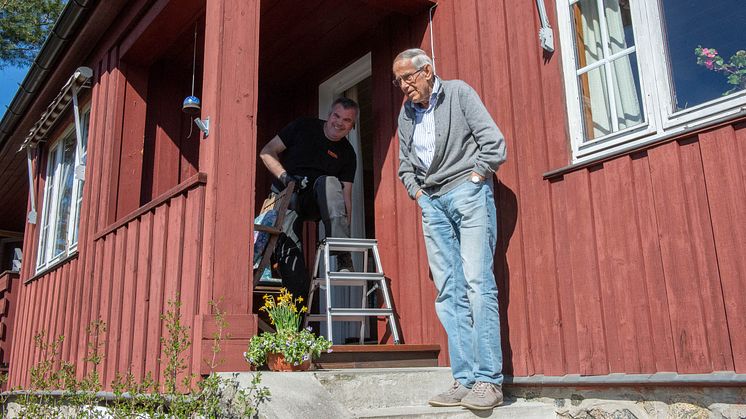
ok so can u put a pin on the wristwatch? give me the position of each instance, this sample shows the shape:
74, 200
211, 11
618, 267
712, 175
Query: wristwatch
475, 178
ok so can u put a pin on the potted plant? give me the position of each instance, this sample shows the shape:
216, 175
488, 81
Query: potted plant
288, 348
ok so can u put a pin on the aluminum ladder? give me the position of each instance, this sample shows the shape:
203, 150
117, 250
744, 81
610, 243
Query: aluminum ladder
327, 280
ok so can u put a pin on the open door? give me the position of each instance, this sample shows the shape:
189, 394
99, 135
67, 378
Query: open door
354, 82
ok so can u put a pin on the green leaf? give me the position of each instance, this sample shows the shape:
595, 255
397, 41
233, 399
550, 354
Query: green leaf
24, 26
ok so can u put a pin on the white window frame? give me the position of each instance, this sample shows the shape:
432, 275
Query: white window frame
50, 205
660, 119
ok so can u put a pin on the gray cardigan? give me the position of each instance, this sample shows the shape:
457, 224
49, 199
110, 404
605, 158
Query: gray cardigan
467, 139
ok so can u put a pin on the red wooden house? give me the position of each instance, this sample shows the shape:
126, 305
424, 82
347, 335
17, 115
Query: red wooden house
620, 206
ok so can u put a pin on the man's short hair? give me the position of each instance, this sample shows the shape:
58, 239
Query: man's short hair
419, 57
346, 103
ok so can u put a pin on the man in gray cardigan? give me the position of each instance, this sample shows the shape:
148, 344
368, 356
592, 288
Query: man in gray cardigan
449, 150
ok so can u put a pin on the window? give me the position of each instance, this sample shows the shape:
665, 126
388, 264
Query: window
636, 69
63, 194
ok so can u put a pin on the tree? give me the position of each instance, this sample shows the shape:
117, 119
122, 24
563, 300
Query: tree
24, 25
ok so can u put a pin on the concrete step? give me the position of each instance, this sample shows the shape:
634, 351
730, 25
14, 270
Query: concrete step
403, 393
374, 393
510, 410
374, 388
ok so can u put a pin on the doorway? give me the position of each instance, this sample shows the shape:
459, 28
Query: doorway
355, 82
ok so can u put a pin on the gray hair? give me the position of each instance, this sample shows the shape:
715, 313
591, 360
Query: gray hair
419, 57
346, 103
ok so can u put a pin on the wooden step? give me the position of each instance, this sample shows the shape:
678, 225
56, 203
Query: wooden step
379, 356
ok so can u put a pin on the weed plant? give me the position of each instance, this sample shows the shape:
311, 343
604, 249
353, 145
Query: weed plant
55, 391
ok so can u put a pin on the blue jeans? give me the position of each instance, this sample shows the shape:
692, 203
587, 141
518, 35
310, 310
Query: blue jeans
460, 231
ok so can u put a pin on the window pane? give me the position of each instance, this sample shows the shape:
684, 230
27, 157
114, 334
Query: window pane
587, 27
595, 103
718, 27
86, 120
628, 96
64, 202
619, 25
49, 184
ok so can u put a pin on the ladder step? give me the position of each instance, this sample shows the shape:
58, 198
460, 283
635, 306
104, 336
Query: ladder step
331, 279
348, 245
355, 276
350, 314
372, 312
340, 282
322, 318
354, 279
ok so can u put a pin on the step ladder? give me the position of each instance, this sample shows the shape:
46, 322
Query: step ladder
326, 279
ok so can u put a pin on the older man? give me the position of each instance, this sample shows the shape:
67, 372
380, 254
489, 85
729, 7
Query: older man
449, 150
318, 157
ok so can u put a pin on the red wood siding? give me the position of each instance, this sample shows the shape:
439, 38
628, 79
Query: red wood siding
589, 266
139, 265
628, 266
9, 291
633, 265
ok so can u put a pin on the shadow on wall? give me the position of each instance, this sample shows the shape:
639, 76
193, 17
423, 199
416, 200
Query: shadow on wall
507, 216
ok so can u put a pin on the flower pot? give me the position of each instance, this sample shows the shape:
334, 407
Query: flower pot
276, 362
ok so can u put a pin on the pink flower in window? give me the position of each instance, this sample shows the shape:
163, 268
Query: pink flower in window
734, 69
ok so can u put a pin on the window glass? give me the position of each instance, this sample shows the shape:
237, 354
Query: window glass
596, 114
63, 192
606, 57
588, 46
628, 95
703, 40
619, 22
49, 190
65, 195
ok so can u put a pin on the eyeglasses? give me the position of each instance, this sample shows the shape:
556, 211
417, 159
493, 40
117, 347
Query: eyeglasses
407, 78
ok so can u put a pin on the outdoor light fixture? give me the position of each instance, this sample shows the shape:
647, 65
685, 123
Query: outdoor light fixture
203, 125
191, 104
546, 36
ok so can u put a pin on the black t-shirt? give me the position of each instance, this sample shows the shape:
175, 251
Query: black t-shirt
309, 153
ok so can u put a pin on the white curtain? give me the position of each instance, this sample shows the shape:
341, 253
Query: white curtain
597, 99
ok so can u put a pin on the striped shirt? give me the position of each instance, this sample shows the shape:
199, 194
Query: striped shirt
423, 139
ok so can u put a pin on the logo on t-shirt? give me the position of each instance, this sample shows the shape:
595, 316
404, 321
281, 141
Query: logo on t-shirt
331, 153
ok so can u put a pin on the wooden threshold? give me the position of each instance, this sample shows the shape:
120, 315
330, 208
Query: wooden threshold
379, 356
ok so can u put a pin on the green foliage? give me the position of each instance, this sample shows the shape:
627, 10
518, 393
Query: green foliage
734, 69
44, 377
297, 346
24, 25
174, 345
283, 312
213, 397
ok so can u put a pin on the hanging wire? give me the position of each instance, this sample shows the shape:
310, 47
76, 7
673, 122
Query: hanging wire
432, 41
194, 70
194, 57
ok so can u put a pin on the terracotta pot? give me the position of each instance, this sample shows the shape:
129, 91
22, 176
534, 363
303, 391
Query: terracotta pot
276, 362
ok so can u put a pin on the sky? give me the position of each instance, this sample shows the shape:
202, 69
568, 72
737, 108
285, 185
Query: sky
10, 78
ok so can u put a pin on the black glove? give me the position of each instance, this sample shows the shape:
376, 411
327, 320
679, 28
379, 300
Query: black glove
300, 181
